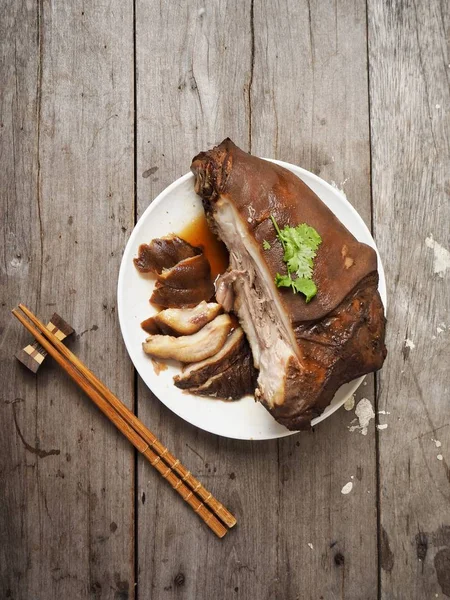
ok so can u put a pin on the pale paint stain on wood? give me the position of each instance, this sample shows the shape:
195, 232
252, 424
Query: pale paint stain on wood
409, 74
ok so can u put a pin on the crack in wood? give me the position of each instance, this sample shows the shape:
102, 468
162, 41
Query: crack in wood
386, 554
40, 33
252, 68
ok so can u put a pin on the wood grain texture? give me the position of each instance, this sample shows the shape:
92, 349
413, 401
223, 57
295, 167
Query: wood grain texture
310, 107
192, 92
283, 79
67, 527
256, 72
410, 100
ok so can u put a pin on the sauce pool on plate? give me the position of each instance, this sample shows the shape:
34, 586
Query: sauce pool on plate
199, 234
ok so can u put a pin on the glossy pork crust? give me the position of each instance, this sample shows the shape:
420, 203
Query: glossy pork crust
304, 352
163, 253
183, 273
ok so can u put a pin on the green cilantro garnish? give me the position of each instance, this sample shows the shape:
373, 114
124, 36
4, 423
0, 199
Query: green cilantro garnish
266, 245
300, 245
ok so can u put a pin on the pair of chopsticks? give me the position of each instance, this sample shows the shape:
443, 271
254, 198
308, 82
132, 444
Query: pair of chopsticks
132, 428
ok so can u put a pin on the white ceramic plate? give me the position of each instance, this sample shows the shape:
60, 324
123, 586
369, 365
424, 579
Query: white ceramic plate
172, 210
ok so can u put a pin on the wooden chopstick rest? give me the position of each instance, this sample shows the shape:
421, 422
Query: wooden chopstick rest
131, 427
33, 355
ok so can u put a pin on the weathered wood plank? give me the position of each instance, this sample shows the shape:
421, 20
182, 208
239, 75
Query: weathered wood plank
192, 92
310, 107
409, 73
67, 187
287, 81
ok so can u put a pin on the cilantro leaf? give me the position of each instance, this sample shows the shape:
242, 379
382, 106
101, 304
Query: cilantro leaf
266, 245
299, 245
283, 280
307, 287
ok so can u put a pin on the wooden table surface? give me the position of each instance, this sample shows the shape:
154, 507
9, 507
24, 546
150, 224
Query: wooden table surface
103, 104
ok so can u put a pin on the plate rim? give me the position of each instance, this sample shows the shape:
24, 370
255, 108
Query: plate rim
354, 385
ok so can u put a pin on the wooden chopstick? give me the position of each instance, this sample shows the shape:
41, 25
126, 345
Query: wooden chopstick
136, 424
134, 437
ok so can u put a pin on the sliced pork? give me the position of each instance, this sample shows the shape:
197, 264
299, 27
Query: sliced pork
183, 273
182, 321
233, 383
190, 348
151, 326
234, 350
304, 351
166, 296
163, 253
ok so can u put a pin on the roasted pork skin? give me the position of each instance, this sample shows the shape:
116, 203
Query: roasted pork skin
304, 351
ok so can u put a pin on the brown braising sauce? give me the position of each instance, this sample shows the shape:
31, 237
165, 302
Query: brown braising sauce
199, 234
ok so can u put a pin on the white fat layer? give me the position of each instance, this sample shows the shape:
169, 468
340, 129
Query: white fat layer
272, 361
232, 340
241, 306
261, 314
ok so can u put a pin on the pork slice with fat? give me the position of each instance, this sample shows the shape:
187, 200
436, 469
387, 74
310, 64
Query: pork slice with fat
234, 382
190, 348
234, 350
